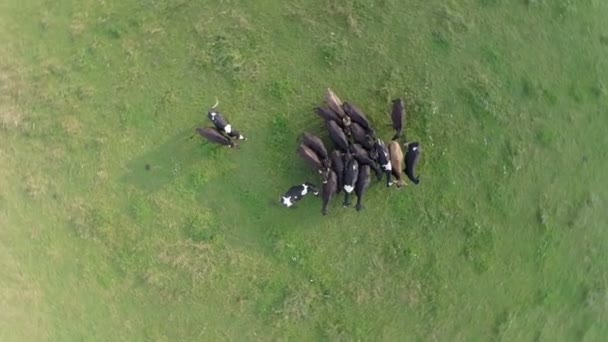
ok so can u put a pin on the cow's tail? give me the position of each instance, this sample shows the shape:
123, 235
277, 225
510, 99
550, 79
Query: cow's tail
217, 102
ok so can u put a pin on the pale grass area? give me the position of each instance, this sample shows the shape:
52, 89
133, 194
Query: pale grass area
21, 299
11, 87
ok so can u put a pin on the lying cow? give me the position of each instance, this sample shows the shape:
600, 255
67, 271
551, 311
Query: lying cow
297, 192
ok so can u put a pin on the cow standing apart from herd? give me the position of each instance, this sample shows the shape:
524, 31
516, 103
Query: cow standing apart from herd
222, 133
357, 150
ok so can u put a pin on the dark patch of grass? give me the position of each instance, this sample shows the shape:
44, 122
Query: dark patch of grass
334, 51
200, 228
451, 20
271, 295
280, 89
440, 40
491, 56
481, 96
140, 209
576, 93
479, 246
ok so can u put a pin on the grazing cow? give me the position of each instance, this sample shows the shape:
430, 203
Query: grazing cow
383, 160
412, 156
363, 158
363, 181
398, 117
329, 191
334, 103
329, 115
296, 192
221, 123
396, 155
351, 173
214, 135
312, 159
356, 115
360, 136
336, 134
337, 165
316, 144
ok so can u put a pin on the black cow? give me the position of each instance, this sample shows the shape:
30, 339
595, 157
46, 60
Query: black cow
221, 123
382, 157
363, 181
351, 173
316, 144
363, 158
360, 136
412, 156
356, 115
329, 191
398, 117
214, 135
337, 136
337, 164
296, 192
328, 115
312, 159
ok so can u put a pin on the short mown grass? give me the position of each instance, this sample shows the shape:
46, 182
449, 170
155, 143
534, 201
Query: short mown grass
116, 224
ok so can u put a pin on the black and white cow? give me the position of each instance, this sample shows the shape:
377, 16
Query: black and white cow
383, 159
296, 192
351, 173
221, 123
412, 157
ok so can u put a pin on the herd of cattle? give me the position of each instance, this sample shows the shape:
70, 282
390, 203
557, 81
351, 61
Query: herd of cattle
357, 151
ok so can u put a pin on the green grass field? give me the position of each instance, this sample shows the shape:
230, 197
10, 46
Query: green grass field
505, 239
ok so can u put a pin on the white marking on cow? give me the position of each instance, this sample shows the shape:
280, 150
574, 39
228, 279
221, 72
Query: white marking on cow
387, 166
286, 201
228, 128
349, 188
213, 114
241, 137
305, 190
415, 148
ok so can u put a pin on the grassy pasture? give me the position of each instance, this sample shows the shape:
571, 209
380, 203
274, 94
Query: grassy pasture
505, 238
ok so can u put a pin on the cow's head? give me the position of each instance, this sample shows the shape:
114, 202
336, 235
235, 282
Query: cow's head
325, 172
